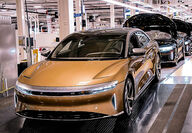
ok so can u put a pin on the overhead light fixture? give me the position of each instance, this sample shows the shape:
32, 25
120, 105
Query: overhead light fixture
128, 6
3, 10
37, 6
41, 10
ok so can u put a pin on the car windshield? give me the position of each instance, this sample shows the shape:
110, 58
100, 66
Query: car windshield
91, 47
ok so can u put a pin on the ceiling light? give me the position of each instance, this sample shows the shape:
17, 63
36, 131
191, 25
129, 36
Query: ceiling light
128, 6
3, 10
37, 6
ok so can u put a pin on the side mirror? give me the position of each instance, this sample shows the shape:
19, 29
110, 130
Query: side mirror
138, 51
45, 53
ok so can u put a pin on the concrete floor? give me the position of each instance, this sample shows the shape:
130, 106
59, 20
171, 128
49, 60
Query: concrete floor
164, 107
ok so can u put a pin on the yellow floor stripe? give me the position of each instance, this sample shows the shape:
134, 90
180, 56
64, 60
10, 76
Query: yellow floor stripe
7, 89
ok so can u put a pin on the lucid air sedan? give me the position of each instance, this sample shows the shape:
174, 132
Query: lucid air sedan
89, 75
164, 31
184, 33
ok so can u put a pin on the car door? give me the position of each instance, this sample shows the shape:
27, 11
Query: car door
142, 64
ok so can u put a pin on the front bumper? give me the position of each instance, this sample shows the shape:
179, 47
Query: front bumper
168, 57
80, 107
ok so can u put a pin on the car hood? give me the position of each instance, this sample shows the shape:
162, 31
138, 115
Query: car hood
71, 73
182, 26
148, 22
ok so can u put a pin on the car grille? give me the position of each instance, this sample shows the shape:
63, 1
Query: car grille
166, 57
60, 115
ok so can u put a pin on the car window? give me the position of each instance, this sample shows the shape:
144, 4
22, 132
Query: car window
116, 46
90, 47
143, 39
134, 42
66, 47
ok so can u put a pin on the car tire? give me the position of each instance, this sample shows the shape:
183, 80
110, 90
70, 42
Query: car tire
128, 97
183, 58
157, 69
189, 53
176, 58
175, 63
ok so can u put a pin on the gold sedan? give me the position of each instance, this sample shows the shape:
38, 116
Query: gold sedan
89, 75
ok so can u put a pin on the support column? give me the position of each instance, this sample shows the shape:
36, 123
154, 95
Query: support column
78, 11
21, 26
133, 10
20, 17
66, 18
49, 28
37, 22
149, 1
112, 15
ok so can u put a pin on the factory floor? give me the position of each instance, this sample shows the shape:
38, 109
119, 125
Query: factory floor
164, 107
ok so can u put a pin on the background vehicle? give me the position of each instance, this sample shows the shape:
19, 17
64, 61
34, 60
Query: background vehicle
171, 47
190, 29
89, 75
184, 33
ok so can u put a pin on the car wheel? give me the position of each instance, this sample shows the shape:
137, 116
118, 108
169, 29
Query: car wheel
189, 53
175, 63
158, 69
183, 58
176, 59
128, 97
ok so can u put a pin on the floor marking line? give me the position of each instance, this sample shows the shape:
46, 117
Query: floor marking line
188, 120
174, 110
167, 109
180, 114
7, 89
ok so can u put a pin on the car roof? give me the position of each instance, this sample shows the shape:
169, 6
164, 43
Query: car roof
112, 31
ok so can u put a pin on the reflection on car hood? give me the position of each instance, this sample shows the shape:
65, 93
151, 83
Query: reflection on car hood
165, 42
147, 22
155, 34
71, 73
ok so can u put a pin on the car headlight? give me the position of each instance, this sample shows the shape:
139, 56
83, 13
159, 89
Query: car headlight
65, 91
22, 88
187, 42
163, 49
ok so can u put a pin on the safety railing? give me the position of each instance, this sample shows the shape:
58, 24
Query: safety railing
4, 87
